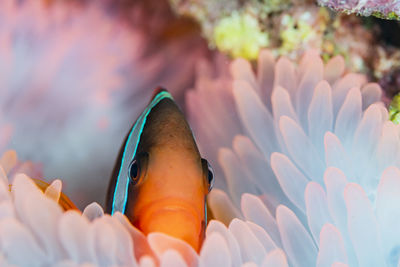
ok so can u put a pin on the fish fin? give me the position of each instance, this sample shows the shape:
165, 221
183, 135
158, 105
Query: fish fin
63, 201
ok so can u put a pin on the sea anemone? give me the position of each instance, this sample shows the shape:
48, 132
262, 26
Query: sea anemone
315, 145
315, 150
34, 225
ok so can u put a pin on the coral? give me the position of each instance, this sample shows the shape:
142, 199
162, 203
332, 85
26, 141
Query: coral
394, 109
240, 35
382, 9
293, 27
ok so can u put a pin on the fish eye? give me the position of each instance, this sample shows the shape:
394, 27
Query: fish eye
138, 168
209, 172
134, 171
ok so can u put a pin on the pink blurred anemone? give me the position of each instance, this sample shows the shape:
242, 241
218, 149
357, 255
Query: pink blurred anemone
74, 77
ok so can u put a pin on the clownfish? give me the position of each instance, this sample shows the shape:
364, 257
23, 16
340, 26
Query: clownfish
160, 181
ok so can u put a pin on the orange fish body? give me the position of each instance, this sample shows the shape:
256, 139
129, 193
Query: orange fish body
160, 182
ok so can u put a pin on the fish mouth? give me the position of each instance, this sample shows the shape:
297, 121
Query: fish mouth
168, 205
172, 216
